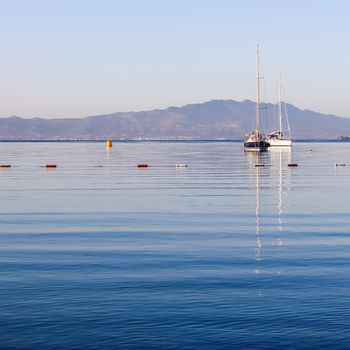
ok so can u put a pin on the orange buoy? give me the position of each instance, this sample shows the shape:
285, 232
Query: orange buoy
292, 164
142, 165
109, 144
51, 166
5, 165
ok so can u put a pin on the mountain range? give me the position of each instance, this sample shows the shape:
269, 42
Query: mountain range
215, 119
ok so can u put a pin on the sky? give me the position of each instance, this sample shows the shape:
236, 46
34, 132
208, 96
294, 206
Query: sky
79, 58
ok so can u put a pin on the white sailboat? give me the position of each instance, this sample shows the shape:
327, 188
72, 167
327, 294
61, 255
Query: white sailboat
256, 141
281, 138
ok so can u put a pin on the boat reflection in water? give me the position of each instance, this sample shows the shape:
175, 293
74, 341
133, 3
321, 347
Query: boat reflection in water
257, 214
259, 166
280, 158
271, 175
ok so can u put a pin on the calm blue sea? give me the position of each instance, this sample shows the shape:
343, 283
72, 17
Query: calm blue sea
99, 254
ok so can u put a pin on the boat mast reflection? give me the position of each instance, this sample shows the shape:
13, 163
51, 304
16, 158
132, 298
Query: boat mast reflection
269, 168
257, 216
279, 207
259, 163
282, 157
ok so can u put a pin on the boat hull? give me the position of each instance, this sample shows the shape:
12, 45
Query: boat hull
280, 143
256, 146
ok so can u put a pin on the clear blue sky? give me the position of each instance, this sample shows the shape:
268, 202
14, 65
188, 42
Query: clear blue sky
83, 57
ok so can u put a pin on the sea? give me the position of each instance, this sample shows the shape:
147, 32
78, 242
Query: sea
222, 254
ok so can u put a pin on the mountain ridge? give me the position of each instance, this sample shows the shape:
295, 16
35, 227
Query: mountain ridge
214, 119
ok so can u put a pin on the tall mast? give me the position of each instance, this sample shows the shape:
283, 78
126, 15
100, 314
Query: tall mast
279, 102
257, 91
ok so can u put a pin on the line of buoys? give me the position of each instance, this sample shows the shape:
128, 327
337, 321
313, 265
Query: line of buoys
179, 165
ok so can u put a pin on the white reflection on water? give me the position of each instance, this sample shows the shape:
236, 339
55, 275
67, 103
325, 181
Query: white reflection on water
275, 174
280, 160
257, 213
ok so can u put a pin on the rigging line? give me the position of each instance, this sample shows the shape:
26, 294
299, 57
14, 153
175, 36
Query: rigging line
283, 102
263, 105
287, 119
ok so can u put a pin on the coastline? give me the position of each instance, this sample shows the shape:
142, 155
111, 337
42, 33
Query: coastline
163, 140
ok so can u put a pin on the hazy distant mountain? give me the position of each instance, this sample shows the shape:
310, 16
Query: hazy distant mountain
226, 119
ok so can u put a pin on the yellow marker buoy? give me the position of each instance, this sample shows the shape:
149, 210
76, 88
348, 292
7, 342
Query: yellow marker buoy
109, 144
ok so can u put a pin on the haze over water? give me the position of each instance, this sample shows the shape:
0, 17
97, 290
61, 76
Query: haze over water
98, 254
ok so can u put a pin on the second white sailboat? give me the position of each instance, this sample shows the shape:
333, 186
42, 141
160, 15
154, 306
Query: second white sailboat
281, 137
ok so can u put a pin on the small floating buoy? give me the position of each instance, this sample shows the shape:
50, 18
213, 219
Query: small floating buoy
339, 164
181, 165
292, 164
5, 165
142, 165
51, 166
109, 144
259, 165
